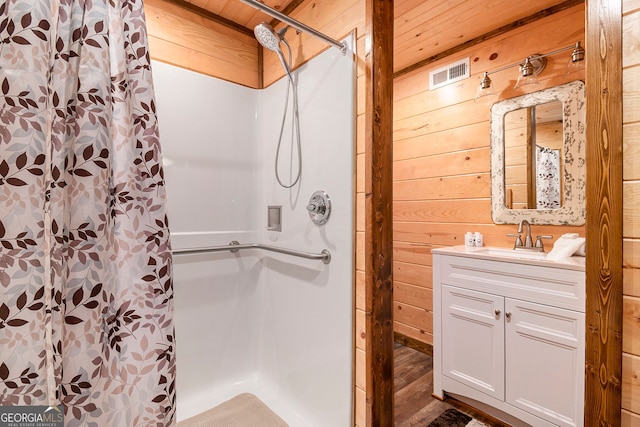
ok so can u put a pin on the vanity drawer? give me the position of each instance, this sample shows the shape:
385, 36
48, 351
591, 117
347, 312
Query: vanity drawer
545, 285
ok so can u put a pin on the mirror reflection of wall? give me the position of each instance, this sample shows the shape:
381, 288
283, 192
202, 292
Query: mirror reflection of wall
533, 157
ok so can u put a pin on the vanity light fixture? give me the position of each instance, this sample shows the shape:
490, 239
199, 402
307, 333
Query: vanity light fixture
485, 88
529, 72
531, 67
576, 62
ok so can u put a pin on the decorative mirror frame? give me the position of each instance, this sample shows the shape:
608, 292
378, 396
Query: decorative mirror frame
572, 211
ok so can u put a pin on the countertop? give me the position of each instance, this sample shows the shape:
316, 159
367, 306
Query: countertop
512, 256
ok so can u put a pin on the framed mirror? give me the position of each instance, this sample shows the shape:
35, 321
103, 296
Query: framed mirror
538, 157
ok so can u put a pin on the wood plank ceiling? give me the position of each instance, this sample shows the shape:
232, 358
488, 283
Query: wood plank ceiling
238, 12
423, 28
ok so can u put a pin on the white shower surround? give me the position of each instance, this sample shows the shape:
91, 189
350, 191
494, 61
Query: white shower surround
273, 325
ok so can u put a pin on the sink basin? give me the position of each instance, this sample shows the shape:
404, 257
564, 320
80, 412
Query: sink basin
512, 253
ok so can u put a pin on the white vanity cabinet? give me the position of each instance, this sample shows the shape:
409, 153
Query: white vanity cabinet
509, 335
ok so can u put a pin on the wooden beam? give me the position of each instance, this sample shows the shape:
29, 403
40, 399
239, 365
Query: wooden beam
378, 212
212, 16
288, 10
603, 376
532, 198
491, 34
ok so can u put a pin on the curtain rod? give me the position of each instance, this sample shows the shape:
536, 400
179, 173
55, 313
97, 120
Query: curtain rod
295, 24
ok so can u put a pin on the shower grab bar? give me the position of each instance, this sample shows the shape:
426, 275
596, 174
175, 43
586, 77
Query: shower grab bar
235, 246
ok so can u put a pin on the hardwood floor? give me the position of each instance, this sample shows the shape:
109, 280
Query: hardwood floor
413, 385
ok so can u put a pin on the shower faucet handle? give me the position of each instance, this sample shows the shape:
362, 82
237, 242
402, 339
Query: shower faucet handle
316, 206
319, 207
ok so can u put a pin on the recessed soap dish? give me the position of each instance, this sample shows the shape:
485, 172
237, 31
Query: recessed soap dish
274, 218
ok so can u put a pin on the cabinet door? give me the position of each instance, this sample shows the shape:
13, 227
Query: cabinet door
545, 361
473, 339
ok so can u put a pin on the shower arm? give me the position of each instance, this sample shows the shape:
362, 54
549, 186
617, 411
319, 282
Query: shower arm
296, 24
235, 246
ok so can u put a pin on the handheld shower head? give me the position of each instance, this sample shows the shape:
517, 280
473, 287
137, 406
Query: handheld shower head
267, 37
270, 39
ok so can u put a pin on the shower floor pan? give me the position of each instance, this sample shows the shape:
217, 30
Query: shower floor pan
243, 410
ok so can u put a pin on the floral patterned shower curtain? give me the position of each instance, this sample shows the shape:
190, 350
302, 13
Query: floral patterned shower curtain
86, 297
547, 178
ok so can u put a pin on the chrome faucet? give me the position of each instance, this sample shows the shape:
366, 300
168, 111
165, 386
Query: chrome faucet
528, 242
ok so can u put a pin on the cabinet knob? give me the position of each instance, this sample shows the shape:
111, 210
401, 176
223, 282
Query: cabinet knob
508, 315
497, 312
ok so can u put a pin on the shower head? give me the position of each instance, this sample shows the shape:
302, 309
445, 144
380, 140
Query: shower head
270, 39
267, 37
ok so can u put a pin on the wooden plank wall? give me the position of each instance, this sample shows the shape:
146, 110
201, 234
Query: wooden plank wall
335, 18
442, 158
631, 214
185, 39
517, 146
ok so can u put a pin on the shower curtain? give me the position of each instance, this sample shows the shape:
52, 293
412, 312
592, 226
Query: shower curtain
86, 296
547, 178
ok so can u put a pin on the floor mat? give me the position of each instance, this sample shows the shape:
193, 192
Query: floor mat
451, 418
244, 410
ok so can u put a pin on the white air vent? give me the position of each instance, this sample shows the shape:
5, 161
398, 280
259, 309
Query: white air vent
449, 74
